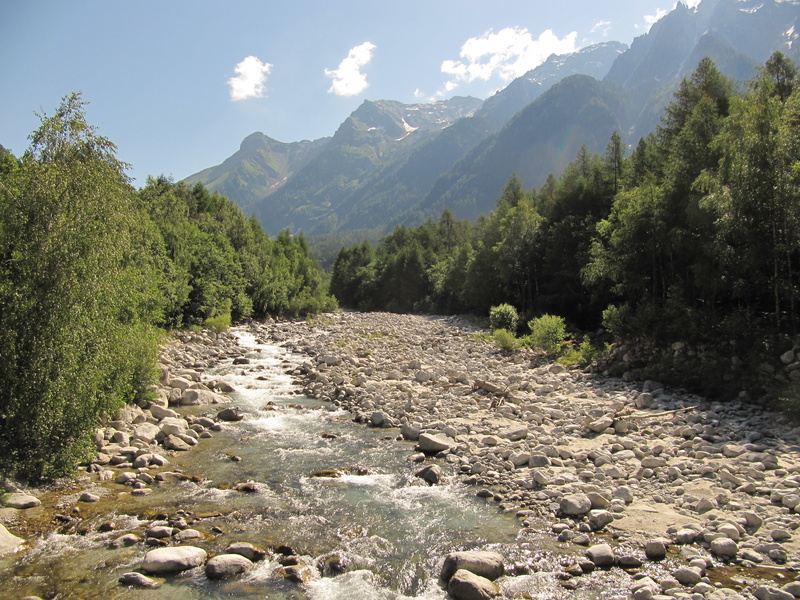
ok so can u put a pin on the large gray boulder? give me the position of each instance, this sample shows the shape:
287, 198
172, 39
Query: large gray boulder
173, 425
227, 565
194, 397
138, 580
602, 555
20, 500
173, 442
575, 504
247, 550
8, 541
432, 474
178, 558
480, 562
161, 412
232, 413
465, 585
429, 442
410, 431
146, 432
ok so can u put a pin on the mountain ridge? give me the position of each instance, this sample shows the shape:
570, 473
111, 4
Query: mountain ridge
390, 163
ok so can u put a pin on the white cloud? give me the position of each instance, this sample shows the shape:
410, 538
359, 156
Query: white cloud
348, 80
602, 27
649, 20
509, 53
251, 75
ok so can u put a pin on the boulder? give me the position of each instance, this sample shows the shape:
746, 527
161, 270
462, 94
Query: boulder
194, 397
180, 383
515, 434
8, 541
299, 573
160, 412
688, 575
178, 558
146, 432
247, 550
644, 589
232, 414
655, 549
724, 547
21, 500
410, 431
768, 592
139, 580
602, 555
465, 585
480, 562
429, 442
172, 425
600, 518
432, 474
575, 504
173, 442
601, 424
378, 418
227, 565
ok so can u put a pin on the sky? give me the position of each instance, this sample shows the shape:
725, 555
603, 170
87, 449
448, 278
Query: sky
178, 84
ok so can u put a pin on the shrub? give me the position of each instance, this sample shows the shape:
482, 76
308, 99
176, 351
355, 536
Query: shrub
582, 355
503, 316
219, 323
505, 340
548, 332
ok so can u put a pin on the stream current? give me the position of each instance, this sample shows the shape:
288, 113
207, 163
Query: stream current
386, 530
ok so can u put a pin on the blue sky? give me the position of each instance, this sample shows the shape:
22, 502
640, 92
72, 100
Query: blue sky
177, 84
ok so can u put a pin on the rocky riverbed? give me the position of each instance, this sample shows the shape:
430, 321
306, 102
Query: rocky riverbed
632, 471
687, 497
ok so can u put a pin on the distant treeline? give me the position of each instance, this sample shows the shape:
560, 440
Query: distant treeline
92, 271
694, 236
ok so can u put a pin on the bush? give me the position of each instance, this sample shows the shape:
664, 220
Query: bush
582, 355
505, 340
548, 332
219, 323
503, 316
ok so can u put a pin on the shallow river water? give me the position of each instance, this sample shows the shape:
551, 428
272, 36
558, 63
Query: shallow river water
389, 529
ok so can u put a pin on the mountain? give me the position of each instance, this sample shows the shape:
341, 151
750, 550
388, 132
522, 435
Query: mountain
384, 159
318, 197
738, 35
392, 163
594, 60
258, 168
638, 86
541, 139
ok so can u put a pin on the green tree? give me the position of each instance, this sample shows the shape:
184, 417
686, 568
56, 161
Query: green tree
74, 296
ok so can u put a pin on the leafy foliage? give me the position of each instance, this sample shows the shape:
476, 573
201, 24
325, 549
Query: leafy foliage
503, 316
74, 283
505, 340
90, 269
548, 332
694, 237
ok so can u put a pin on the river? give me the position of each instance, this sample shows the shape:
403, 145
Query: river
379, 529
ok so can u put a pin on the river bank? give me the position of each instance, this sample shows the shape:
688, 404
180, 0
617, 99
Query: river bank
599, 472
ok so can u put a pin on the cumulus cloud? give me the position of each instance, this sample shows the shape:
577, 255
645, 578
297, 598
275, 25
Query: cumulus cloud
649, 20
509, 53
348, 80
251, 75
